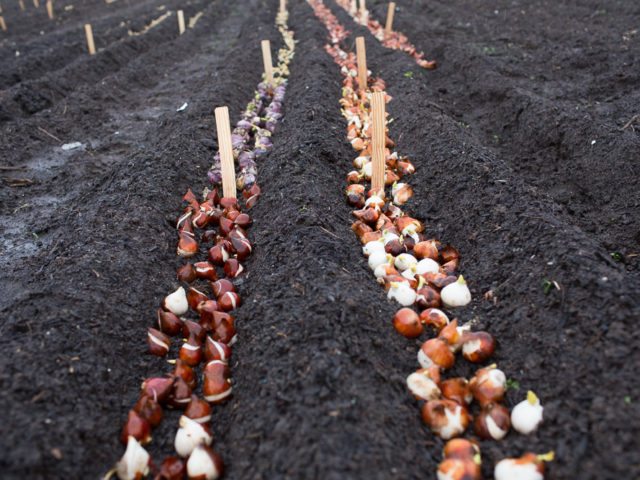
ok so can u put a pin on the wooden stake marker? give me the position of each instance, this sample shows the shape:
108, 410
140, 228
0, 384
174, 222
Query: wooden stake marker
3, 25
283, 6
89, 34
50, 9
378, 141
36, 3
226, 153
363, 6
361, 55
388, 28
266, 59
21, 3
181, 21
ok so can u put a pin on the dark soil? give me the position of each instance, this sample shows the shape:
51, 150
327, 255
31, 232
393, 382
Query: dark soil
88, 248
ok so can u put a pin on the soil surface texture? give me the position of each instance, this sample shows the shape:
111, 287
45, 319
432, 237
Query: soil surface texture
526, 141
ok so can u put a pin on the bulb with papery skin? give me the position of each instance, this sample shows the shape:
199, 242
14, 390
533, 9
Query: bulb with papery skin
527, 415
456, 294
446, 418
407, 323
190, 435
492, 422
435, 351
134, 464
528, 467
488, 385
423, 383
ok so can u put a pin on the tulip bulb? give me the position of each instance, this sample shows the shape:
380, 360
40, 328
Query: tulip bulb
172, 468
446, 418
187, 245
190, 435
405, 261
477, 346
435, 351
204, 464
214, 350
402, 293
136, 427
217, 386
378, 258
488, 385
191, 351
492, 422
528, 467
176, 302
426, 249
168, 322
423, 384
373, 247
462, 449
186, 273
456, 294
158, 342
407, 323
426, 265
149, 409
134, 464
435, 318
457, 389
198, 410
457, 469
527, 415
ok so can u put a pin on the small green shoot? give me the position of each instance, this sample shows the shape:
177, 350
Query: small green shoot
408, 74
548, 285
513, 384
617, 256
627, 399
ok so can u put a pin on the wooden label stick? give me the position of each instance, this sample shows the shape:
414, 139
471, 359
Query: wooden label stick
266, 59
36, 3
89, 34
226, 153
361, 55
283, 6
181, 21
378, 141
389, 25
363, 6
3, 25
50, 9
21, 3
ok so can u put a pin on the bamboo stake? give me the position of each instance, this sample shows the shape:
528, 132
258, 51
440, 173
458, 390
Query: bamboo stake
3, 25
50, 9
21, 3
90, 43
226, 153
378, 141
181, 21
389, 25
361, 55
266, 60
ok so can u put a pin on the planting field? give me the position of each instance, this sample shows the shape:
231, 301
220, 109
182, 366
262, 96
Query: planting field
526, 146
